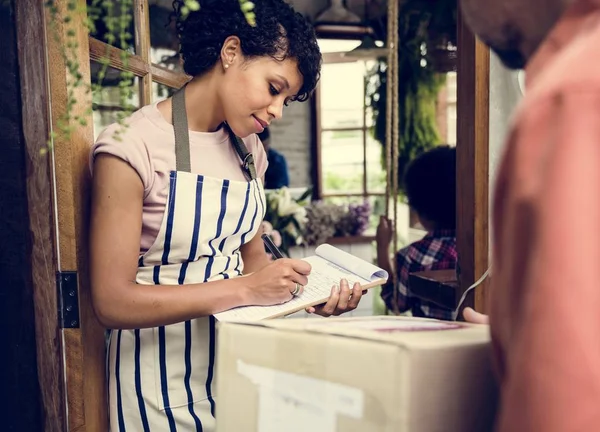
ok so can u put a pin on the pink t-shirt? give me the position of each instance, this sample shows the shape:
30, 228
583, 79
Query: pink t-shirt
148, 145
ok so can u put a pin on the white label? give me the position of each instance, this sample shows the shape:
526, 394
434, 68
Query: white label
295, 403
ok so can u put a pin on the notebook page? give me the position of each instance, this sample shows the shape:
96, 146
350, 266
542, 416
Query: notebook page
360, 267
320, 281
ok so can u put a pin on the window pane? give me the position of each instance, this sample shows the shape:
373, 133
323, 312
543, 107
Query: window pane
161, 91
163, 35
375, 172
108, 14
342, 161
342, 95
109, 101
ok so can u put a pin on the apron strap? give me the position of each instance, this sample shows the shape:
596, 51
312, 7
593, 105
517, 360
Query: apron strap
182, 137
245, 156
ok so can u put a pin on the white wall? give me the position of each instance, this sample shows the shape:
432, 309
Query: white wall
505, 93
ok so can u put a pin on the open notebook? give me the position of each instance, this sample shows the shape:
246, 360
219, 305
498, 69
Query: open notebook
329, 266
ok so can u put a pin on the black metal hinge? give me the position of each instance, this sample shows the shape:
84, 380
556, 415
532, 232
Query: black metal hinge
68, 300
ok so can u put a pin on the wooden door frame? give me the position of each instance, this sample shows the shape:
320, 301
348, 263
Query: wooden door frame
85, 368
472, 163
71, 361
31, 42
71, 373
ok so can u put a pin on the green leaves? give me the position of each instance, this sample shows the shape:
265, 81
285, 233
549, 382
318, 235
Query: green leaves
117, 18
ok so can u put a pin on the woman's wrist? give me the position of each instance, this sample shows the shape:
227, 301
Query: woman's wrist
243, 291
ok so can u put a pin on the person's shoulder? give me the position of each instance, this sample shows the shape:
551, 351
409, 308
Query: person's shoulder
133, 128
574, 72
275, 156
428, 246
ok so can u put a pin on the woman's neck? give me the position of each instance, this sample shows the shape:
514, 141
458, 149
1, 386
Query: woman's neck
202, 104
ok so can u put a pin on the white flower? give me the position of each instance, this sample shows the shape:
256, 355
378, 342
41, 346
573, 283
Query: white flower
285, 204
276, 237
291, 230
300, 215
267, 228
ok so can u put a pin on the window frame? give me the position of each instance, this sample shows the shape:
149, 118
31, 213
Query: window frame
140, 63
318, 130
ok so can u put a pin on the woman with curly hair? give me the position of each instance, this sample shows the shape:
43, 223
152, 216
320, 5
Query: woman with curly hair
177, 206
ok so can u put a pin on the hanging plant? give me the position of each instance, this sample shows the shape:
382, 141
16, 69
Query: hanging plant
421, 24
116, 20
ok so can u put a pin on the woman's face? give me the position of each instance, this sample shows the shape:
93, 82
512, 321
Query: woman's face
254, 91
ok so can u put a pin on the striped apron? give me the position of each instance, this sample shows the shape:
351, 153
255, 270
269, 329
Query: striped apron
161, 379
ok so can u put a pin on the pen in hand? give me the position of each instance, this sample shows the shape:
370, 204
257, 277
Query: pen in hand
271, 246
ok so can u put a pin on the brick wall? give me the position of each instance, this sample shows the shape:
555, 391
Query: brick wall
291, 137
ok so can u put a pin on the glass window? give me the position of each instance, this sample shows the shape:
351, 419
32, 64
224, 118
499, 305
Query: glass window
161, 91
342, 161
451, 117
105, 15
109, 102
342, 95
376, 179
164, 44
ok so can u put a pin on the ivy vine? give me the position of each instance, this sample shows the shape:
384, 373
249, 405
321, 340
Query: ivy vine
117, 18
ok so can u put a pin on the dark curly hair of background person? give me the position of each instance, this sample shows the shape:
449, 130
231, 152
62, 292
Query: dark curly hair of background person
430, 185
280, 33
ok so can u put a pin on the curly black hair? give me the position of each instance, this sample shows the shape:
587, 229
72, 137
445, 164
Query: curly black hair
430, 185
280, 33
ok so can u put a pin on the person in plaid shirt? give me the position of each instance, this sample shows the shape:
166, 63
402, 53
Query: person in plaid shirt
430, 185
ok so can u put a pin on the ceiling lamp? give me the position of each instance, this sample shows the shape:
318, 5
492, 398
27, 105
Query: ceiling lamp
337, 14
368, 48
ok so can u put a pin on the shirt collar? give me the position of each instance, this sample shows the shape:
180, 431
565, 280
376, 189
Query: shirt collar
565, 30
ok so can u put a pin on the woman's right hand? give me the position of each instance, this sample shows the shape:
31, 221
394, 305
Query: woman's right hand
274, 283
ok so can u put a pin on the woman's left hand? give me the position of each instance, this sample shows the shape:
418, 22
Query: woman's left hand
342, 300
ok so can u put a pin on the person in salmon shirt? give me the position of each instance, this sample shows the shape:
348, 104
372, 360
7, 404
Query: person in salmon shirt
545, 292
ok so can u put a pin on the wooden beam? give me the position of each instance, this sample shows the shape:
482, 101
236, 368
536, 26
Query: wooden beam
168, 77
99, 50
141, 19
472, 236
29, 15
84, 347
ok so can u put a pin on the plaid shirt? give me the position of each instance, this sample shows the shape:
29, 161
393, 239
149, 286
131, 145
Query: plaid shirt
436, 251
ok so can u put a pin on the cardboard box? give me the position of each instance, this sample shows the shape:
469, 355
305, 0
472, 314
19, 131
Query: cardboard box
354, 375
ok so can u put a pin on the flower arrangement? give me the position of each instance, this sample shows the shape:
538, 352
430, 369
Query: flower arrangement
295, 222
355, 220
326, 220
286, 218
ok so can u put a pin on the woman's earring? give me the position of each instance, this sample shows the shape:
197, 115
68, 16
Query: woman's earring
226, 66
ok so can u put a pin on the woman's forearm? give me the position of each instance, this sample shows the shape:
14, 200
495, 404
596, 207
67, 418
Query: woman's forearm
133, 305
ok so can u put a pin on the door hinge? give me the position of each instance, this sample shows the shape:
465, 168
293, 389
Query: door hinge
68, 299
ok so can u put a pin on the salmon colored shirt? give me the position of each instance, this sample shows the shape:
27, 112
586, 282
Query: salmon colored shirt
545, 300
